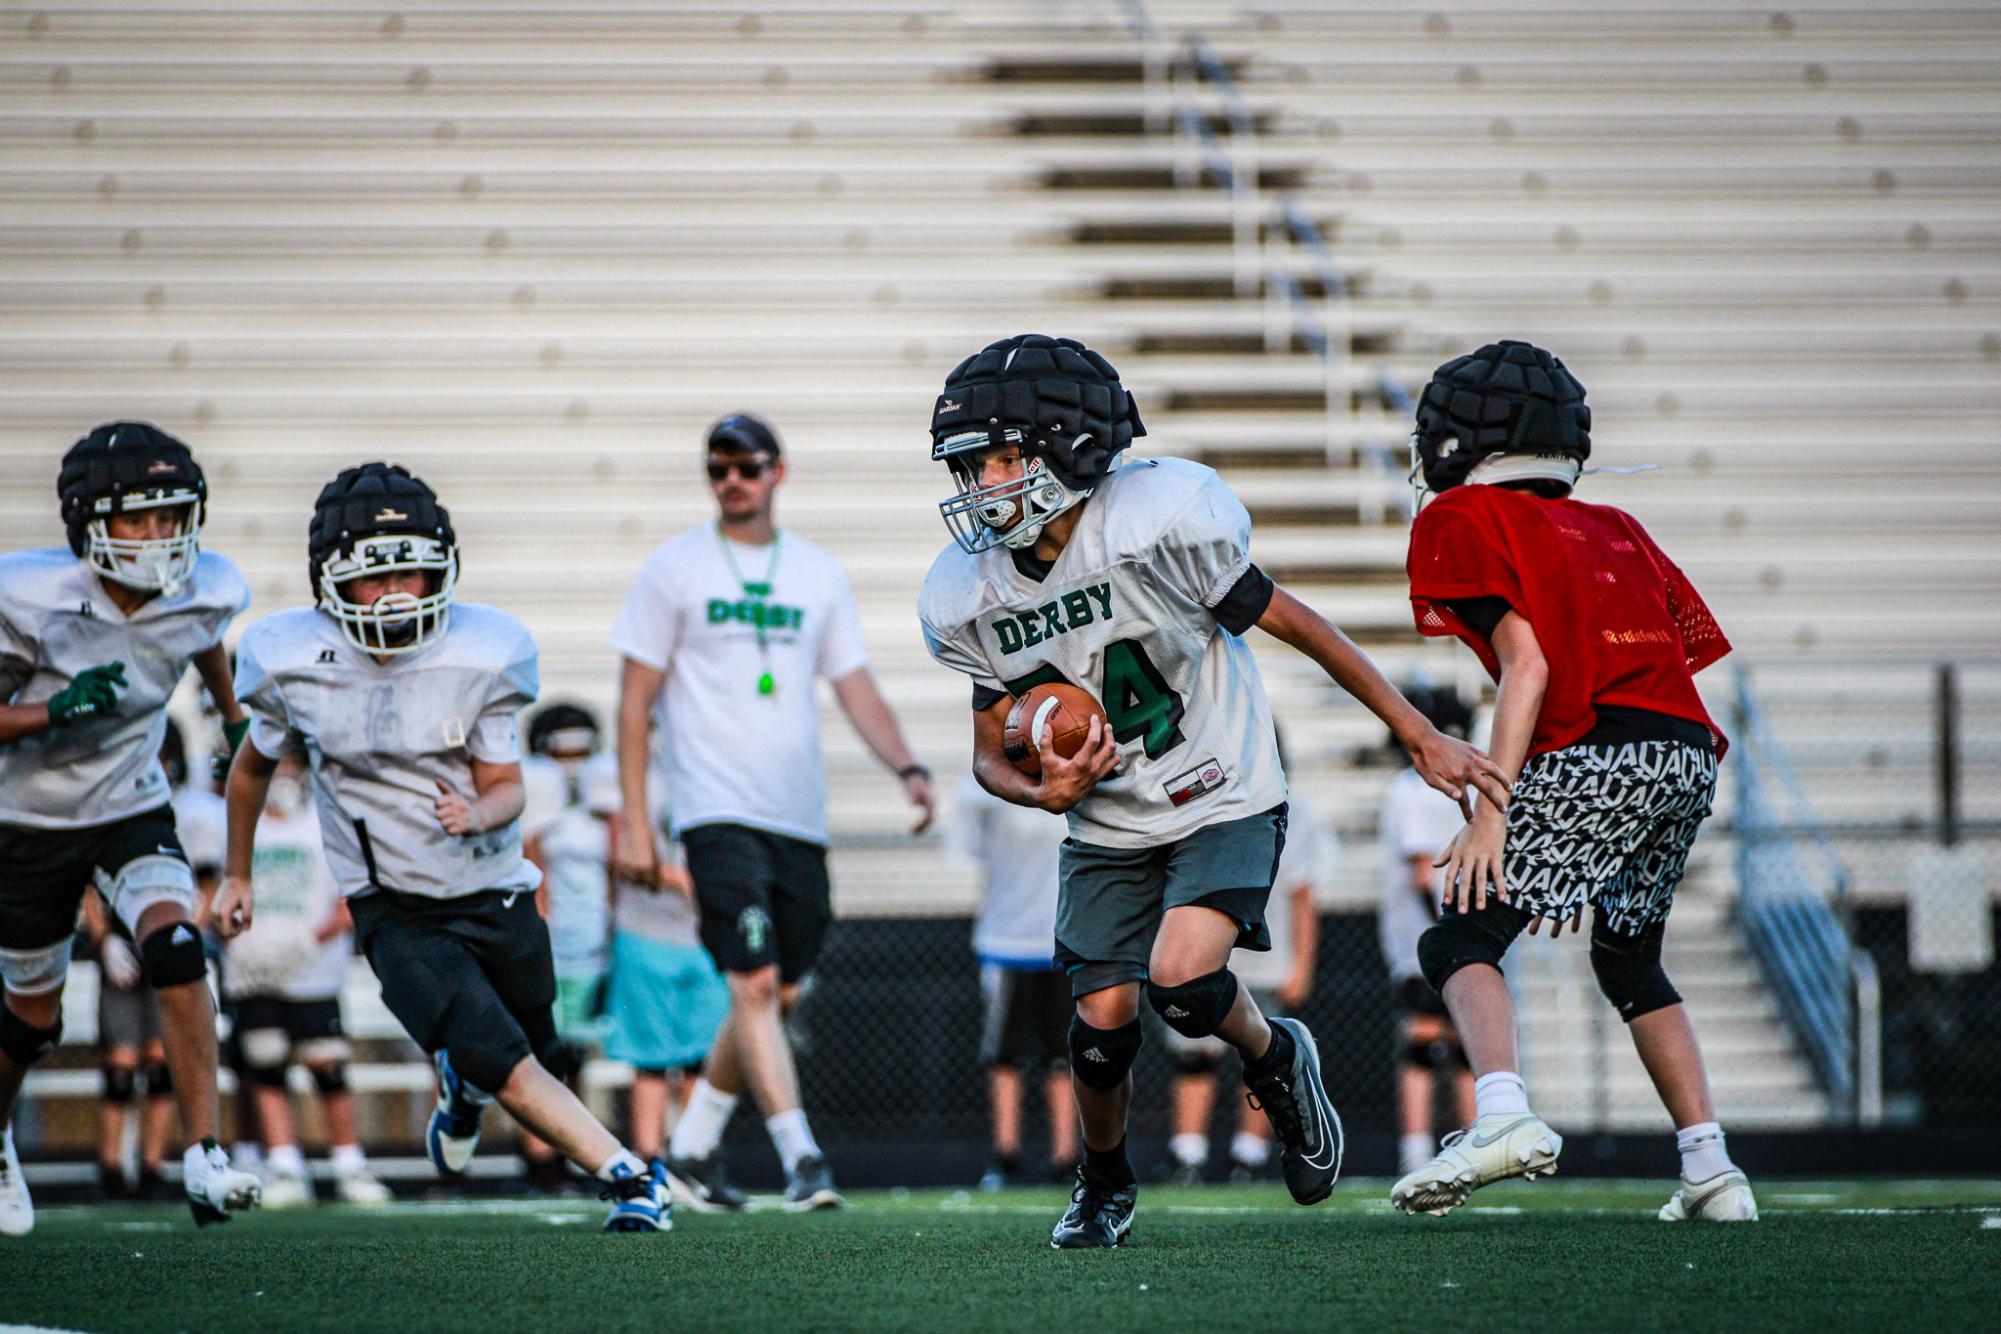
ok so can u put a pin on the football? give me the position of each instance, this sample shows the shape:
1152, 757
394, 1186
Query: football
1060, 711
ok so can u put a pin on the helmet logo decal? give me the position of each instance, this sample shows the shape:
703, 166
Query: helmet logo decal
390, 516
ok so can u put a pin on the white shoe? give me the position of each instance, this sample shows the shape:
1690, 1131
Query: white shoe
1493, 1148
215, 1189
17, 1211
358, 1187
288, 1190
1724, 1198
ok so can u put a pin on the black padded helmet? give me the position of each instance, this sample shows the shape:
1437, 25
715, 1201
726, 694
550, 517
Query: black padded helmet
552, 722
1064, 400
124, 466
377, 518
1509, 398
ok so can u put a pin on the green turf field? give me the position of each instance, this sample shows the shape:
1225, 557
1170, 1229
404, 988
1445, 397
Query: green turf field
1547, 1256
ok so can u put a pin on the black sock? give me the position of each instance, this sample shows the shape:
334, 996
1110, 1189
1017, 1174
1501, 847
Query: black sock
1110, 1166
1277, 1057
1007, 1163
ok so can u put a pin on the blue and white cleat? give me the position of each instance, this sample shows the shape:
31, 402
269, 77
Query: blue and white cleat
454, 1130
641, 1201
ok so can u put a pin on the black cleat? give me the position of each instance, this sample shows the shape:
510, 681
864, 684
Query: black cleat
1302, 1116
701, 1184
1099, 1216
810, 1185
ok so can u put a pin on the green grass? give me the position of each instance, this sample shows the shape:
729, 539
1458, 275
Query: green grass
1552, 1256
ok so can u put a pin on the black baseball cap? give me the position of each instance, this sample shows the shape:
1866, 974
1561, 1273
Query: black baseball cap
742, 432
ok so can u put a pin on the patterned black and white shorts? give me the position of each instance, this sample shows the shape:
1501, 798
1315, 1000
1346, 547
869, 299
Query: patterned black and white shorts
1610, 826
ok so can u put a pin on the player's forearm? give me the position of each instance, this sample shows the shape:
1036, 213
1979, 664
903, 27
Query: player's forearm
243, 798
19, 720
1524, 680
1295, 623
993, 772
499, 802
213, 665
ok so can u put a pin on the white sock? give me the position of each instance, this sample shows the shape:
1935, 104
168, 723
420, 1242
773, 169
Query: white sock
1500, 1094
1414, 1151
349, 1159
286, 1160
1190, 1150
701, 1127
792, 1137
1249, 1150
624, 1163
1703, 1156
246, 1155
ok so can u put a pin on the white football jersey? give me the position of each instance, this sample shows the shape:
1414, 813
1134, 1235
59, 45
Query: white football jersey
380, 736
1129, 612
55, 621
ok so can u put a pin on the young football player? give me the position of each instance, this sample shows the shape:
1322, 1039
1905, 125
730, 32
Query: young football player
403, 702
93, 641
1594, 637
1136, 583
1414, 825
727, 628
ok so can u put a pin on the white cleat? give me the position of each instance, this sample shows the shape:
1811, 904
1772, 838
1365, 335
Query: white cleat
361, 1188
17, 1211
215, 1189
288, 1190
1492, 1149
1724, 1198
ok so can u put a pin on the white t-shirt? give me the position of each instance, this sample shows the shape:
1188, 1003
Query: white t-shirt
1014, 848
293, 891
731, 754
575, 844
1311, 849
200, 818
1414, 820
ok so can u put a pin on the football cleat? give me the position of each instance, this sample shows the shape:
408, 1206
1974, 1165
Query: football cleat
1493, 1148
810, 1185
1724, 1198
1303, 1118
641, 1200
17, 1211
454, 1130
702, 1185
359, 1187
1099, 1216
215, 1189
288, 1190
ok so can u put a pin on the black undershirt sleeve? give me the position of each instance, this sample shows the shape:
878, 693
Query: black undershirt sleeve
1483, 614
1245, 602
985, 697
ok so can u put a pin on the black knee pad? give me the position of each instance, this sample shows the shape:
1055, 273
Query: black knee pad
25, 1043
1422, 1054
268, 1076
159, 1079
1103, 1057
329, 1078
172, 956
1630, 973
118, 1085
1451, 1054
1459, 939
1196, 1008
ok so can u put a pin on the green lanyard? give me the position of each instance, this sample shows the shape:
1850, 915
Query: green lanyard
765, 684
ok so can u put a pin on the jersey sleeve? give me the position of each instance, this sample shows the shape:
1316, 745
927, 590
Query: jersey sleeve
262, 696
1702, 641
1205, 554
961, 652
18, 655
1457, 553
495, 738
647, 626
841, 648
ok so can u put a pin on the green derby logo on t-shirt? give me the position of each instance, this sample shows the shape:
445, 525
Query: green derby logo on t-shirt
757, 613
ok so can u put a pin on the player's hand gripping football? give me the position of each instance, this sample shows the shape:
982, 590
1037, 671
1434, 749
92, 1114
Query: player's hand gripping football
229, 910
1452, 765
1066, 782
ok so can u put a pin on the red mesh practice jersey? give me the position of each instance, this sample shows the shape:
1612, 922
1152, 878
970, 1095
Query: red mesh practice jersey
1618, 623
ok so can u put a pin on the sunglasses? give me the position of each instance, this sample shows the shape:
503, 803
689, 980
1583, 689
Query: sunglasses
748, 469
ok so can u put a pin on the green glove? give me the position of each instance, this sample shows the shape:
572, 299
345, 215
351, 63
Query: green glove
93, 691
232, 737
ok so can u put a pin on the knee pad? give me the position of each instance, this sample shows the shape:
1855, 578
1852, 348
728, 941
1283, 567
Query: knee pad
268, 1076
1196, 1008
1422, 1054
329, 1079
1454, 941
118, 1085
1630, 973
1103, 1057
38, 971
26, 1043
144, 881
159, 1079
172, 957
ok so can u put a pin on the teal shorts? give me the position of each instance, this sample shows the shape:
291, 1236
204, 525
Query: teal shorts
664, 1003
1110, 900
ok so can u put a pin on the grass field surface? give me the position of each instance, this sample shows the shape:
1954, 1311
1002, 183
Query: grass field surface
1548, 1256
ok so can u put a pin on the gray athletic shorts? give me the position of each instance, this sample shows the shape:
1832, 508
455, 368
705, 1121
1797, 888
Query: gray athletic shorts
1110, 900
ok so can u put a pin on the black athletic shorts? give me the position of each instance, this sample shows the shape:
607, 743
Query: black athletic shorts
43, 872
764, 897
1417, 997
473, 972
1027, 1016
